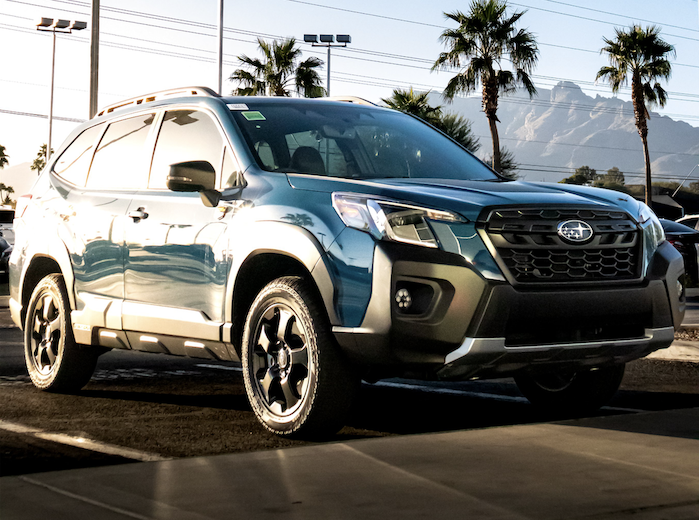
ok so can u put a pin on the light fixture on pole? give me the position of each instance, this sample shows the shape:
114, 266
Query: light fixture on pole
54, 26
326, 40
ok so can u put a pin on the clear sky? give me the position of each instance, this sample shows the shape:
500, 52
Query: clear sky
157, 44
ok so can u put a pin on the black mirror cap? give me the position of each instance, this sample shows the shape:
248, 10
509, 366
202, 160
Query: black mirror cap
191, 176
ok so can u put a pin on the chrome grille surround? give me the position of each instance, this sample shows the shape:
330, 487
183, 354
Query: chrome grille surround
526, 244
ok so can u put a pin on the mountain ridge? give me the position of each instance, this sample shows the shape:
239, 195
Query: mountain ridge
563, 128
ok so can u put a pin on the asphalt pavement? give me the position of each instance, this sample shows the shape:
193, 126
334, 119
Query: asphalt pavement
640, 465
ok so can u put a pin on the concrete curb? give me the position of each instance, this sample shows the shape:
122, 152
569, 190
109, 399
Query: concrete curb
4, 302
680, 350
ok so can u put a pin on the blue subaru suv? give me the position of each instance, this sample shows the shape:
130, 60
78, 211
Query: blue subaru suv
323, 242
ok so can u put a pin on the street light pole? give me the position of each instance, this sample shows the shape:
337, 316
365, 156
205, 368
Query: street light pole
326, 40
54, 26
94, 56
53, 71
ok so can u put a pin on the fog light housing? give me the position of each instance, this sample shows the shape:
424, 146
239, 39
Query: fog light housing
404, 299
413, 298
680, 289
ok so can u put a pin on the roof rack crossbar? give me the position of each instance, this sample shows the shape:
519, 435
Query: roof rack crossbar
138, 100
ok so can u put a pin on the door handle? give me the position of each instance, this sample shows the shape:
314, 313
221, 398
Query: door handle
139, 214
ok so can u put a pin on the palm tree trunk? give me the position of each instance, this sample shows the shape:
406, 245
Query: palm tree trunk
496, 142
490, 107
639, 108
649, 185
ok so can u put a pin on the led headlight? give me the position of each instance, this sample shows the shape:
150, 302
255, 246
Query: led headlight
391, 220
652, 229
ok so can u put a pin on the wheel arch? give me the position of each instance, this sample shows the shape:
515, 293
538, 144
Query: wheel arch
277, 250
40, 266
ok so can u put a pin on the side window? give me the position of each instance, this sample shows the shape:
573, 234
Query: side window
119, 159
186, 135
74, 162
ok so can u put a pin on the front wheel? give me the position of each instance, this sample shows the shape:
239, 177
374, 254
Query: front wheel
296, 378
54, 361
580, 391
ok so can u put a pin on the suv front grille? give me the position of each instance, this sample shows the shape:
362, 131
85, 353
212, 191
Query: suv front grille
530, 248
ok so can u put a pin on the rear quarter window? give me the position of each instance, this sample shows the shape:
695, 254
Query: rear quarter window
120, 159
74, 162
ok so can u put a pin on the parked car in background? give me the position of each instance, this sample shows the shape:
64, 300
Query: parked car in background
689, 220
5, 252
7, 216
685, 240
322, 242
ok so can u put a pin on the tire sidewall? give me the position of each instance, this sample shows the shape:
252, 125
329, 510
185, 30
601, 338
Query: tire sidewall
280, 292
49, 285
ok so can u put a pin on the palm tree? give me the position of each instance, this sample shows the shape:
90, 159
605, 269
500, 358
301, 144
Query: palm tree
277, 71
40, 161
642, 55
4, 158
417, 104
410, 102
485, 37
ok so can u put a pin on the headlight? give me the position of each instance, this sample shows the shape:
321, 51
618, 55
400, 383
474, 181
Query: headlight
652, 228
390, 220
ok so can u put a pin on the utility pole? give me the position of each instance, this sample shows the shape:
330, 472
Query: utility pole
94, 56
220, 47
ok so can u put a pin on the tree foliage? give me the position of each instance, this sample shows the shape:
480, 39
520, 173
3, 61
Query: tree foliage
487, 37
583, 176
641, 55
40, 161
5, 192
4, 158
508, 165
278, 72
417, 104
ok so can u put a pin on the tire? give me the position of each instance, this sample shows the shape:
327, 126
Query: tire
581, 391
296, 379
54, 361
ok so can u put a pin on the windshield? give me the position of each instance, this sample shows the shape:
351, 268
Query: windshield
352, 141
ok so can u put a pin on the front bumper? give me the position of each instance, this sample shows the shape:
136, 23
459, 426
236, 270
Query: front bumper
475, 327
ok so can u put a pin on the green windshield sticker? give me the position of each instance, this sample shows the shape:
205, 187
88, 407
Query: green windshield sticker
253, 115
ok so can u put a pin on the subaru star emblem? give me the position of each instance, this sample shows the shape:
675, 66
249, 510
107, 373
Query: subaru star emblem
575, 230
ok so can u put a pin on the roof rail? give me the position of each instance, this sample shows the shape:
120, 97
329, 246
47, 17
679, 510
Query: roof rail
351, 99
184, 91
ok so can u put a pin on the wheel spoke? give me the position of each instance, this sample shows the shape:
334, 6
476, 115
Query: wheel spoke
50, 356
47, 305
38, 325
289, 391
54, 325
266, 383
299, 357
286, 318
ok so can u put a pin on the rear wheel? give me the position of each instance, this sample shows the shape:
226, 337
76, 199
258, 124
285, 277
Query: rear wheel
571, 391
296, 378
54, 361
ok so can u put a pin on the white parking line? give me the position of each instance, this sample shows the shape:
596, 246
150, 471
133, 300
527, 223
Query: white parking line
82, 442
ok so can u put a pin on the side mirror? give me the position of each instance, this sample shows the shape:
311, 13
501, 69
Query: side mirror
191, 176
195, 176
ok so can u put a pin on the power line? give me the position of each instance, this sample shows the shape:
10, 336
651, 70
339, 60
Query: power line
41, 116
621, 15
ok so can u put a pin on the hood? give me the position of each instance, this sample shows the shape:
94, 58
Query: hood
469, 198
